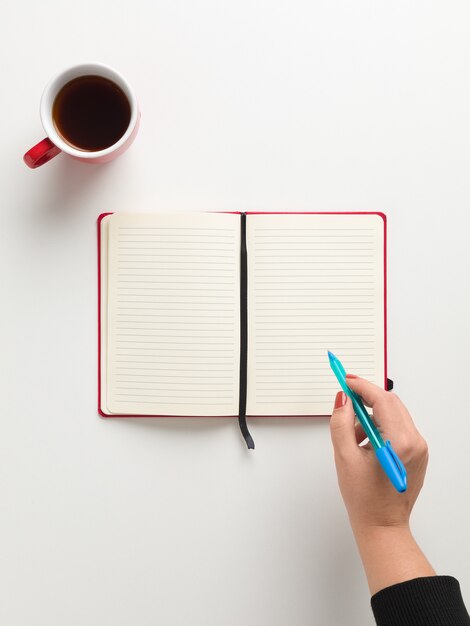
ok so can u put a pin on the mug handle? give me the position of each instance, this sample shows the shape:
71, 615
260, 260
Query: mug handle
41, 153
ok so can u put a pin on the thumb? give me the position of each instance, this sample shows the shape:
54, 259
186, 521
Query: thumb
342, 429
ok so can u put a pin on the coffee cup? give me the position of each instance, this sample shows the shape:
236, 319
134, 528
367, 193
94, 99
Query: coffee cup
89, 112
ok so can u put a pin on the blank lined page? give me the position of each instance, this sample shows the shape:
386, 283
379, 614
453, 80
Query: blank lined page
315, 283
173, 314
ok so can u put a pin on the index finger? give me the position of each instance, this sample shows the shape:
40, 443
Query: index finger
370, 393
389, 411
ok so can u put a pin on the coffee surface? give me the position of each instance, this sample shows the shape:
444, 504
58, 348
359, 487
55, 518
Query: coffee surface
91, 113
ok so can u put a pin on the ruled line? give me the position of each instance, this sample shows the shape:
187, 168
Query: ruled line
177, 229
174, 336
164, 239
178, 363
171, 356
174, 398
180, 282
159, 376
320, 341
304, 400
134, 281
315, 301
121, 254
134, 402
179, 370
165, 384
317, 229
169, 254
309, 314
179, 343
172, 349
171, 322
296, 396
328, 337
169, 309
314, 256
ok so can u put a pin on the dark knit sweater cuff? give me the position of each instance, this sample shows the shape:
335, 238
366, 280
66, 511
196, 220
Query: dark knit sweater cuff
429, 601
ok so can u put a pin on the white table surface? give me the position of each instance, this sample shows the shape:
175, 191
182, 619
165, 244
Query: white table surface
300, 105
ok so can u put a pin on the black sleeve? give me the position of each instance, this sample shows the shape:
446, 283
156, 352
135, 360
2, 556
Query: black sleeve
429, 601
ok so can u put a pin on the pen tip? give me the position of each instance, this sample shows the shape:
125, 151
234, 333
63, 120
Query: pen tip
331, 355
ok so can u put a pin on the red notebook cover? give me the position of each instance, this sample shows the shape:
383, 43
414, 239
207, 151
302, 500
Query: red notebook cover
379, 213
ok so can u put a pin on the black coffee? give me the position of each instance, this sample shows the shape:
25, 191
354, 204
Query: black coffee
91, 113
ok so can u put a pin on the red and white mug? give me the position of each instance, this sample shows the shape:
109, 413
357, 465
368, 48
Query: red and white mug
53, 143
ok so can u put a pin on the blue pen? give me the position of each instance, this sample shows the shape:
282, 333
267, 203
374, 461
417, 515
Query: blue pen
386, 455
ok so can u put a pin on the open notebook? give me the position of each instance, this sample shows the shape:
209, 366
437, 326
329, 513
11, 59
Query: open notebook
221, 314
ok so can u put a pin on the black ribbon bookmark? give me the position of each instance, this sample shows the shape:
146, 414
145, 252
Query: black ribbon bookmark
243, 336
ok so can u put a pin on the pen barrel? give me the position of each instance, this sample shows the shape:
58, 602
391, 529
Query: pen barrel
366, 422
359, 409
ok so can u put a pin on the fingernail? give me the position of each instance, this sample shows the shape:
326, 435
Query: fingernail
340, 399
351, 376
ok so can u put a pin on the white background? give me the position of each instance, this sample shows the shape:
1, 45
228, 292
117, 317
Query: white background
253, 104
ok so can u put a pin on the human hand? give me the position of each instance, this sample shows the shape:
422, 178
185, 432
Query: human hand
370, 498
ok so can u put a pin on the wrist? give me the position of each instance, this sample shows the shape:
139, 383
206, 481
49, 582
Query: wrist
390, 555
379, 534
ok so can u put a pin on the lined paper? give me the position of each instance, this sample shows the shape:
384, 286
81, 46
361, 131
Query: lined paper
315, 283
173, 314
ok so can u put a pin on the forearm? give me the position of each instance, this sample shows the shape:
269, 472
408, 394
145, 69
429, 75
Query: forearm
390, 555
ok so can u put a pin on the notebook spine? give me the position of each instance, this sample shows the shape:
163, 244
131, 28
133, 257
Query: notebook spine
243, 334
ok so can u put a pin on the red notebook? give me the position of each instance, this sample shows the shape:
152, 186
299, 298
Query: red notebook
222, 314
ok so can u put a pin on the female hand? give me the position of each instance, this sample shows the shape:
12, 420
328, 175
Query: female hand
368, 494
